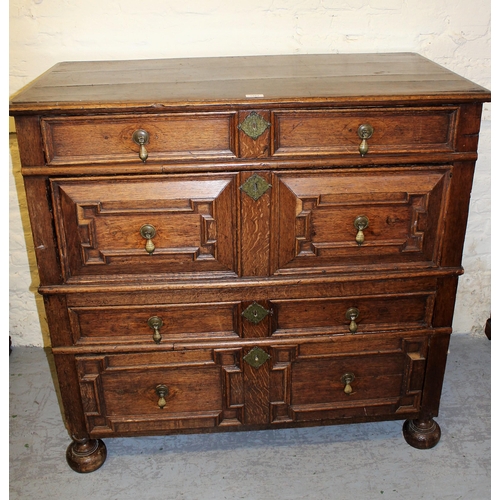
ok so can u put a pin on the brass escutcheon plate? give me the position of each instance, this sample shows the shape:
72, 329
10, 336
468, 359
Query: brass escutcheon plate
254, 125
255, 186
255, 313
256, 357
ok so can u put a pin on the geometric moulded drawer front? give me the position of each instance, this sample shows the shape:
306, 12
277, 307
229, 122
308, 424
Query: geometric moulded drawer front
378, 219
177, 390
324, 384
176, 226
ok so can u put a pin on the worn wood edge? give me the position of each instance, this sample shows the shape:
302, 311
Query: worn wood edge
242, 342
251, 282
89, 107
278, 164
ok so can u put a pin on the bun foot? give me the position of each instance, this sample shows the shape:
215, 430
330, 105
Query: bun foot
86, 455
422, 434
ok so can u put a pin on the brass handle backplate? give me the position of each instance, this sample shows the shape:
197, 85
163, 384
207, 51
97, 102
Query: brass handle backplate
361, 223
141, 137
155, 323
352, 315
148, 232
347, 380
162, 392
365, 131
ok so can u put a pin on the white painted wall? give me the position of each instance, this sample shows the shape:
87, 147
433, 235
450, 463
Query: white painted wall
454, 33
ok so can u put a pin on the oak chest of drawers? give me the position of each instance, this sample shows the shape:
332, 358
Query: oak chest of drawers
248, 243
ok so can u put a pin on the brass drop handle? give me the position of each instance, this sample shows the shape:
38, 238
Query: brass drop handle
352, 315
365, 131
162, 392
155, 323
347, 380
148, 232
361, 223
141, 137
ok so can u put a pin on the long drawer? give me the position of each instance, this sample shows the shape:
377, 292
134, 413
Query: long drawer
212, 135
305, 222
252, 385
158, 319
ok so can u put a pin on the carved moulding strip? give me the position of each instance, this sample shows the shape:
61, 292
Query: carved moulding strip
92, 254
232, 380
281, 377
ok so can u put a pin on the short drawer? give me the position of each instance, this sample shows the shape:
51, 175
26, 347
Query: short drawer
118, 227
155, 325
353, 379
110, 139
395, 130
353, 315
159, 392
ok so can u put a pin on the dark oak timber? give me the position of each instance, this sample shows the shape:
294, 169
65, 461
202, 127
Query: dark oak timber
197, 231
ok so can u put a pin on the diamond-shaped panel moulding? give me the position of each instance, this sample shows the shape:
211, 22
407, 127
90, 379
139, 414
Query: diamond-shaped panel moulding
256, 357
254, 125
255, 313
255, 186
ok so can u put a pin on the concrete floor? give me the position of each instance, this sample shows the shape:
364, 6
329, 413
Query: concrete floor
348, 462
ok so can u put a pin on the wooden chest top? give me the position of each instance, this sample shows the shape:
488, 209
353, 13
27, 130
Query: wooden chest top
333, 79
